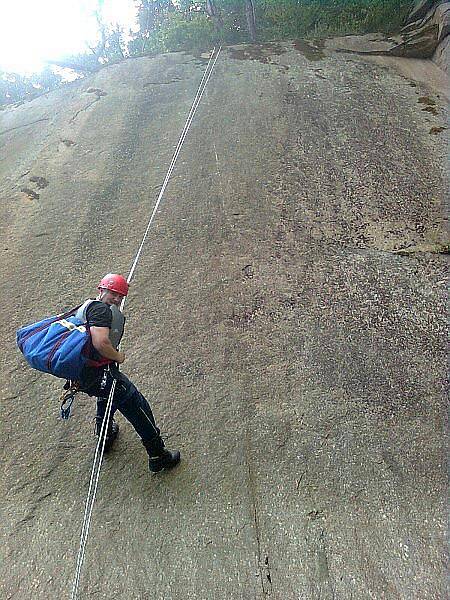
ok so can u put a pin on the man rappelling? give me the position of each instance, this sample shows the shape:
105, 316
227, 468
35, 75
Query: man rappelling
81, 346
105, 323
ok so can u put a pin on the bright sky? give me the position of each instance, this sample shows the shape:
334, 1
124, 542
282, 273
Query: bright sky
33, 31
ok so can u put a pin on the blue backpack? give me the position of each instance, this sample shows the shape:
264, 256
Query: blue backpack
59, 345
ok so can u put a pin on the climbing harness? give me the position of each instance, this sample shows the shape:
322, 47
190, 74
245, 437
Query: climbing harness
100, 448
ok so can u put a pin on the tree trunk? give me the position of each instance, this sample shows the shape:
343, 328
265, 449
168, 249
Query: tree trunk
215, 15
251, 19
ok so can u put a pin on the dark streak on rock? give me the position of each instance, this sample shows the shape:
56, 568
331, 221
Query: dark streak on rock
256, 525
174, 80
411, 250
26, 519
43, 497
25, 125
96, 99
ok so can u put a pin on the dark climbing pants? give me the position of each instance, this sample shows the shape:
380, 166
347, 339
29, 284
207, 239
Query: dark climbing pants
128, 400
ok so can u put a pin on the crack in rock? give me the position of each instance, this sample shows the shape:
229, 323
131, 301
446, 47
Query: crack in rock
24, 125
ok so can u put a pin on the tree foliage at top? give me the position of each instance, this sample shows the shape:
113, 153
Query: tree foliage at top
17, 88
166, 25
172, 25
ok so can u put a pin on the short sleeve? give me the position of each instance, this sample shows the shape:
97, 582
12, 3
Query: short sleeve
99, 314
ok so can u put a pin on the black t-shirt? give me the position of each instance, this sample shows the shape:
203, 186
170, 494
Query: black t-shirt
98, 314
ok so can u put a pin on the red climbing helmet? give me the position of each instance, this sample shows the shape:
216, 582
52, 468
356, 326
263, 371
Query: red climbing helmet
115, 283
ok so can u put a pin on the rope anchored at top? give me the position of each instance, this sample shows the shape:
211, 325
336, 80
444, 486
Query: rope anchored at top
100, 448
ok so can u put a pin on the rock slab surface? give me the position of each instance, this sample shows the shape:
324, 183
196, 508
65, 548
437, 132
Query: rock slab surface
286, 321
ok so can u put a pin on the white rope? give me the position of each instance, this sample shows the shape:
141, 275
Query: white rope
100, 448
92, 491
203, 83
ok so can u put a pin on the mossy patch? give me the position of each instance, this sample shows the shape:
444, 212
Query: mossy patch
310, 51
260, 52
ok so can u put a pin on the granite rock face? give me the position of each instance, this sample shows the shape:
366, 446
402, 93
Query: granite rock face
428, 25
424, 36
421, 8
287, 321
442, 54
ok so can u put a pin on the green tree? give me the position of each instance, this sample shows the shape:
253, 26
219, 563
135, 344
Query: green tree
151, 16
167, 25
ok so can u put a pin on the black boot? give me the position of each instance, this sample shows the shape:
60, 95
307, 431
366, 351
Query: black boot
166, 460
158, 457
112, 433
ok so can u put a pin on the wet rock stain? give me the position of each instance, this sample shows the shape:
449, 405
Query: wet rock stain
430, 104
436, 130
259, 52
96, 91
32, 195
320, 581
310, 51
40, 182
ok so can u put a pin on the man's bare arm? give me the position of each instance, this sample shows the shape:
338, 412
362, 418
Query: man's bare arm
102, 343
